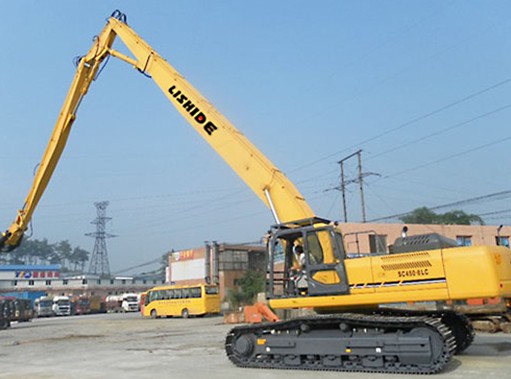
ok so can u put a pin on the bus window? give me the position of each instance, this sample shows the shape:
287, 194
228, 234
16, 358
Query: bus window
211, 290
178, 293
195, 292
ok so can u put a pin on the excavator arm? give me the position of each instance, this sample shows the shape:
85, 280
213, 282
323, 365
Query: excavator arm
392, 342
257, 171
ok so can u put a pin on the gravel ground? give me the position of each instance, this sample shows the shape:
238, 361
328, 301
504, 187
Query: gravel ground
127, 346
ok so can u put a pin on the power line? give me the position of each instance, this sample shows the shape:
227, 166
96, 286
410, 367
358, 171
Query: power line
442, 131
495, 213
493, 196
409, 123
456, 155
138, 266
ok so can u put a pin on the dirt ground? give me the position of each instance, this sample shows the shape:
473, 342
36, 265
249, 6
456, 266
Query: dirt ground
127, 346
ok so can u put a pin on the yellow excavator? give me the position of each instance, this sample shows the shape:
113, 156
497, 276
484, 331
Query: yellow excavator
308, 266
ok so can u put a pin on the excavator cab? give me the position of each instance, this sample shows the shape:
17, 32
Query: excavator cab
306, 258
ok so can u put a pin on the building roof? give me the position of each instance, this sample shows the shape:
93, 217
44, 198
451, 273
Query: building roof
29, 267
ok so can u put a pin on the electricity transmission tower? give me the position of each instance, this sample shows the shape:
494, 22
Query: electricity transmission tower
99, 260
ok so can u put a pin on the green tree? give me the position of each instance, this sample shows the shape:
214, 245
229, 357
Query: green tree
21, 255
424, 215
460, 218
79, 258
420, 216
45, 251
64, 252
249, 285
34, 251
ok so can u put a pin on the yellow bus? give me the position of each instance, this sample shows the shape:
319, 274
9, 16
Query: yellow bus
184, 301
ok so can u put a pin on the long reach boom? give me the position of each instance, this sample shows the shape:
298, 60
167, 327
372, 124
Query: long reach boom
256, 170
307, 264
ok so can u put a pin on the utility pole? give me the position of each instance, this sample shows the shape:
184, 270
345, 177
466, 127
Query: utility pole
361, 186
99, 260
343, 191
344, 183
359, 180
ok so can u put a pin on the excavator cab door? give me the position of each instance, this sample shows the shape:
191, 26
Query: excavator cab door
315, 268
324, 263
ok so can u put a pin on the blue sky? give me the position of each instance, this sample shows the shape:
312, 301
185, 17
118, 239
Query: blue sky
422, 87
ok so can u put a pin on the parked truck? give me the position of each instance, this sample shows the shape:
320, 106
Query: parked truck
5, 314
127, 302
29, 295
23, 310
14, 309
43, 306
97, 304
80, 305
61, 306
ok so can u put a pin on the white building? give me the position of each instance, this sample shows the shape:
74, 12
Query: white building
48, 278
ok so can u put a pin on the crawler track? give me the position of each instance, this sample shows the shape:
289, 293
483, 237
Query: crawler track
459, 324
345, 342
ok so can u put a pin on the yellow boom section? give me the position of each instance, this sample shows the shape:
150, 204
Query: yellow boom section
257, 171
